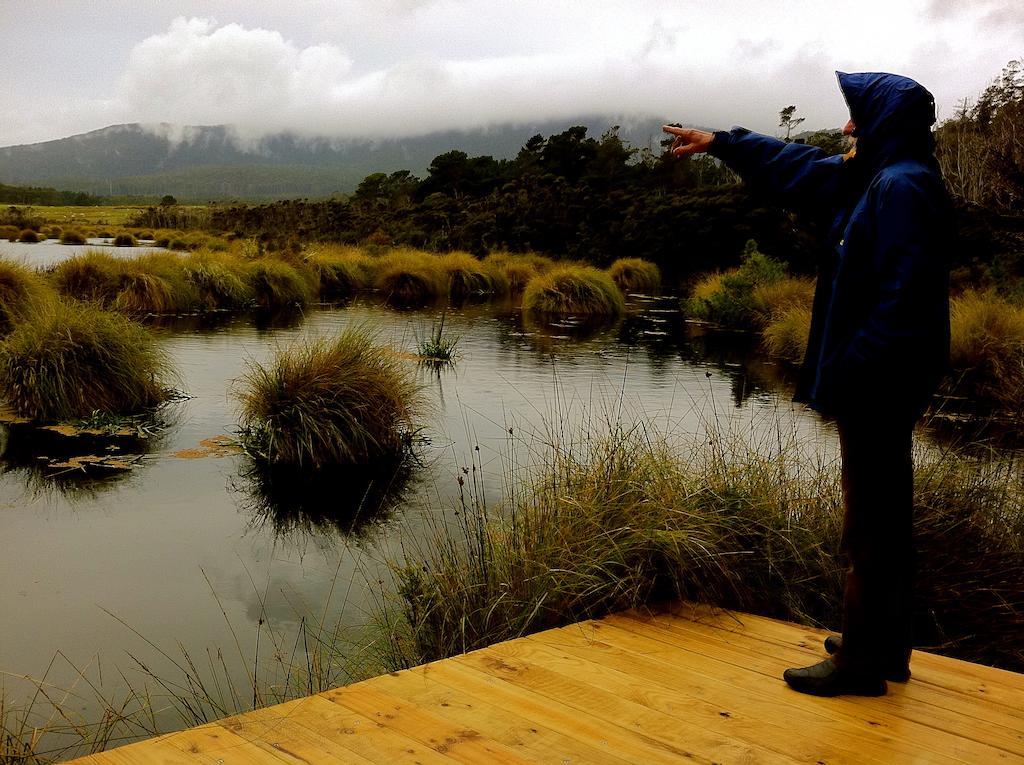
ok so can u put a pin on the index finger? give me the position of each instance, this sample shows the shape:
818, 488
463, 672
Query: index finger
673, 130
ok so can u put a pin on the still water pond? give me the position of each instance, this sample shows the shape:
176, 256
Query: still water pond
163, 546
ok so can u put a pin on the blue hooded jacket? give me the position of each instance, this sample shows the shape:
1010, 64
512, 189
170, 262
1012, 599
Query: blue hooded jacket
879, 338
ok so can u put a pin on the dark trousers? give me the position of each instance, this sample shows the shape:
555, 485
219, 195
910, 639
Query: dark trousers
877, 541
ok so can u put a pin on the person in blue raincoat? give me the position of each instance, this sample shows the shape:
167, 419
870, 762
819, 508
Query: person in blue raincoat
878, 344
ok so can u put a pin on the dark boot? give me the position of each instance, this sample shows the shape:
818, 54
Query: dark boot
896, 671
827, 679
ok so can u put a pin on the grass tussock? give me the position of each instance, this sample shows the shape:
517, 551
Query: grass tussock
576, 289
519, 268
28, 236
635, 275
987, 349
10, 233
72, 236
328, 402
220, 281
409, 278
23, 292
155, 283
124, 240
343, 271
776, 297
468, 276
72, 359
787, 332
278, 284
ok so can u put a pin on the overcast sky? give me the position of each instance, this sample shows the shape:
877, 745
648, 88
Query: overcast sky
377, 68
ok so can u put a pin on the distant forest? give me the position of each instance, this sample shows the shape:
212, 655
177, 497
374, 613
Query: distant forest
32, 195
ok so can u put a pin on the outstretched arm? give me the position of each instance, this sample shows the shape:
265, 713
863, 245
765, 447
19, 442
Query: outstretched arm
798, 174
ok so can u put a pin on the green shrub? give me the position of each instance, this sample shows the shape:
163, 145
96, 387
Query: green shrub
573, 288
72, 236
72, 359
728, 299
328, 402
636, 275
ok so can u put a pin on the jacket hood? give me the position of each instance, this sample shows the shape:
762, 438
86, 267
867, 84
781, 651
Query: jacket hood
883, 104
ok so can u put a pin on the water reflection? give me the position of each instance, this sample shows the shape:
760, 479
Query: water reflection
76, 464
347, 500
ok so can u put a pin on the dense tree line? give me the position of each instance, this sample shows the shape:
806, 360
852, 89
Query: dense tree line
32, 195
567, 194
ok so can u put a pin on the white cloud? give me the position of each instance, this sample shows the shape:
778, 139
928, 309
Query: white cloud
406, 67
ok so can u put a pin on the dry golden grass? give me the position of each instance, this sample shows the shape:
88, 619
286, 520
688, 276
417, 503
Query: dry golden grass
635, 275
574, 288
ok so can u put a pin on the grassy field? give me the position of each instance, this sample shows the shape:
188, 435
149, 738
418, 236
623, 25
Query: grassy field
105, 215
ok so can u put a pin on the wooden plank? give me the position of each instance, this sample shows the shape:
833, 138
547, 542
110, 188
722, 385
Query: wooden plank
691, 741
990, 683
461, 744
809, 735
352, 732
950, 705
215, 744
279, 730
951, 735
556, 715
532, 737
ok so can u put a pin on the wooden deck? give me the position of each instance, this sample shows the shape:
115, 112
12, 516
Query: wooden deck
692, 686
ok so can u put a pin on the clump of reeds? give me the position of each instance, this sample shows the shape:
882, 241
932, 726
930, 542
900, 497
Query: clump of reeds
328, 402
636, 275
621, 520
611, 523
775, 297
71, 359
124, 240
28, 236
22, 292
987, 349
728, 298
343, 271
519, 268
72, 236
408, 278
54, 232
574, 288
278, 284
438, 347
469, 276
11, 233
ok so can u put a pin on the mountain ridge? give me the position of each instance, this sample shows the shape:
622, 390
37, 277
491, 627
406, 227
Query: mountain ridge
214, 162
